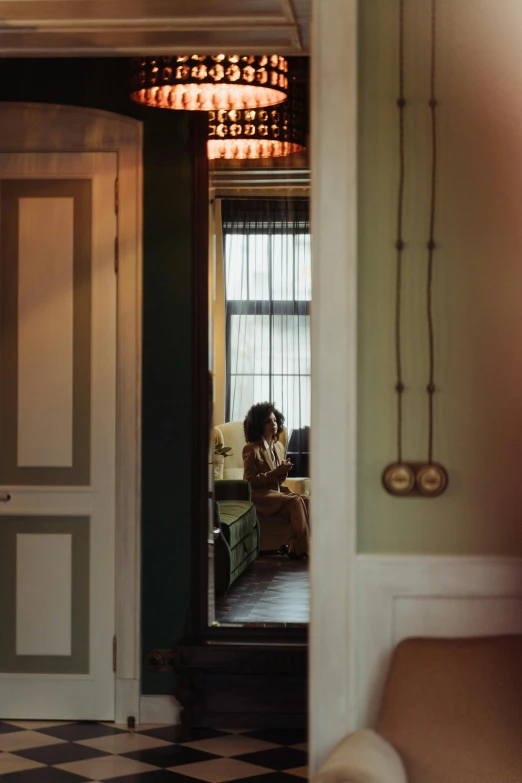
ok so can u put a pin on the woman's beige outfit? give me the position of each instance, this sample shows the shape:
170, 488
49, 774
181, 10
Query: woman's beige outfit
271, 497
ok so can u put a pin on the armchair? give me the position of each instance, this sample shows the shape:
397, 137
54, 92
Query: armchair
274, 530
450, 713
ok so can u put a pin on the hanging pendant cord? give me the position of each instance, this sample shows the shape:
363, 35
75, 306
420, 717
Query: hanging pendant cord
399, 243
431, 242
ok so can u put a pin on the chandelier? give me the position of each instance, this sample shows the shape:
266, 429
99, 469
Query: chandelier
221, 82
259, 133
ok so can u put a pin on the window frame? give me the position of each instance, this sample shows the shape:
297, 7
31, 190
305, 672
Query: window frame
255, 307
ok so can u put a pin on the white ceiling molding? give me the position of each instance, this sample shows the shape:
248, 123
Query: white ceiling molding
252, 178
44, 28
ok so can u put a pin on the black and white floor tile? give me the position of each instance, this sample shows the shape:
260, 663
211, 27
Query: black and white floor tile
60, 752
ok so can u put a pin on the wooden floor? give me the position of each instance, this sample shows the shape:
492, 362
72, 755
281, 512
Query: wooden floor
273, 590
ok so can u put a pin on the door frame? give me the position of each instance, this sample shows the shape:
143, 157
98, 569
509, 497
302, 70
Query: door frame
333, 599
332, 701
92, 130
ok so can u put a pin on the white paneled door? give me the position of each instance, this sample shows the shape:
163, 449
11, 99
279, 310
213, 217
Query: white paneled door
58, 229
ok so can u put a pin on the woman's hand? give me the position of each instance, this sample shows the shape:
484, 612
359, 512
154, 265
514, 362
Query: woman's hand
284, 468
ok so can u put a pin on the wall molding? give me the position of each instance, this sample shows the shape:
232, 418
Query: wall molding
437, 596
127, 27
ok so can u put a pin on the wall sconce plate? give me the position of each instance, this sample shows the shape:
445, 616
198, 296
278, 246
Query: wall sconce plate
431, 480
415, 479
398, 479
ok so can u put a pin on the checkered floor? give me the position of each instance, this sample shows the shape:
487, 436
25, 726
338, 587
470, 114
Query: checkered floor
59, 752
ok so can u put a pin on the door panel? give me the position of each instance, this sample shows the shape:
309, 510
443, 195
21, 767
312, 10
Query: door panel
45, 244
44, 585
57, 435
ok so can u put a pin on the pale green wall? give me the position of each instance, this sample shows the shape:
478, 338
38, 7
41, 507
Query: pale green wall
478, 277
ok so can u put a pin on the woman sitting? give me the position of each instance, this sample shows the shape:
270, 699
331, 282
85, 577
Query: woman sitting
266, 468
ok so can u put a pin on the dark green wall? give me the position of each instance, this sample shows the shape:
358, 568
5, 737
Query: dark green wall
167, 391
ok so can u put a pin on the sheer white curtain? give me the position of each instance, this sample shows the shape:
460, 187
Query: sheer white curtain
268, 285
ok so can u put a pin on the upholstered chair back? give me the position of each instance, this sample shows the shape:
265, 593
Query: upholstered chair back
231, 434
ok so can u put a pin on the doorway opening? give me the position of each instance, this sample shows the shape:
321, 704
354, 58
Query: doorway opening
260, 281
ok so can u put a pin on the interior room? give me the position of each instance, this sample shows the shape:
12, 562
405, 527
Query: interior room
260, 291
138, 634
121, 577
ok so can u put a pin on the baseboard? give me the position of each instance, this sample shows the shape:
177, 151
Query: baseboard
255, 721
400, 597
127, 700
160, 709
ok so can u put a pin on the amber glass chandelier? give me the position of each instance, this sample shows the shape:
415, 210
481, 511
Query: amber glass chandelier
228, 82
259, 133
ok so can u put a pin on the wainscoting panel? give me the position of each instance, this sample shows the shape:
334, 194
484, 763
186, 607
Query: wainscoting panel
403, 597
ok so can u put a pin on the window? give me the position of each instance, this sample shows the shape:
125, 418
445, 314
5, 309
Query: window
268, 283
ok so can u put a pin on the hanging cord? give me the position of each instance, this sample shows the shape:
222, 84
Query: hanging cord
399, 243
431, 242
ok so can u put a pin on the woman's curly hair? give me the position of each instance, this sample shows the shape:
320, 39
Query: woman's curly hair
256, 419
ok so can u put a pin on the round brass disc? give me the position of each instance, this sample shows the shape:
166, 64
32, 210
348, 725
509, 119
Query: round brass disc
398, 479
431, 480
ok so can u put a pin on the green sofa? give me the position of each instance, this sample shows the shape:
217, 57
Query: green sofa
237, 545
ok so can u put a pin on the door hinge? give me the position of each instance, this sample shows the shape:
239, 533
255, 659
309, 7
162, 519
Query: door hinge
114, 652
116, 255
116, 195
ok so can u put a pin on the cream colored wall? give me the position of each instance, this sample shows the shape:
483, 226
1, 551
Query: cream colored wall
478, 275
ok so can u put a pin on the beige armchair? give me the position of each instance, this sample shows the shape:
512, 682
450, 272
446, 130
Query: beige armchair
274, 530
451, 713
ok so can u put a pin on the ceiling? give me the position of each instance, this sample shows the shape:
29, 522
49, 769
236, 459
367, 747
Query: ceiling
69, 28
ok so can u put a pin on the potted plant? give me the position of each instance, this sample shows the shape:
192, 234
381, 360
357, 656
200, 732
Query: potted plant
221, 452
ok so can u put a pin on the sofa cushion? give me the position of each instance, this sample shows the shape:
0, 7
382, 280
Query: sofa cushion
238, 519
301, 486
452, 708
